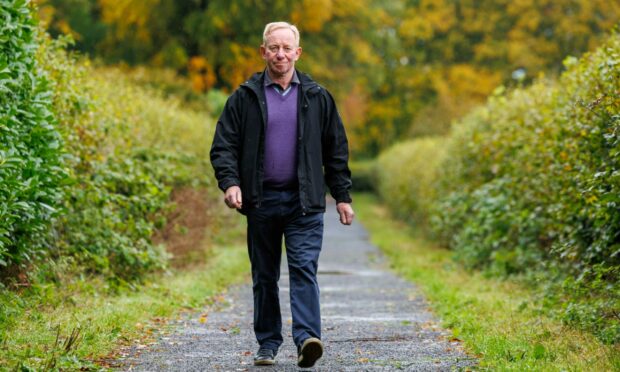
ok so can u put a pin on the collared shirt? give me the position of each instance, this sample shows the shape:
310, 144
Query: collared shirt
277, 87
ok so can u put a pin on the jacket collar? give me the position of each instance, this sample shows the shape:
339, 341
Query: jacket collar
256, 82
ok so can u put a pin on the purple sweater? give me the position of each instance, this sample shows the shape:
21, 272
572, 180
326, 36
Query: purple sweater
280, 162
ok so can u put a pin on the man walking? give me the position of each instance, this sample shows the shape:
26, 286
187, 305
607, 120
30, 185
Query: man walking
278, 141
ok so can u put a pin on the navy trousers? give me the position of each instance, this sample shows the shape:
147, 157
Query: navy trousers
280, 216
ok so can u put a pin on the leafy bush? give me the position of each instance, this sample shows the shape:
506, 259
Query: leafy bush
552, 153
128, 148
30, 146
87, 152
405, 175
531, 182
363, 175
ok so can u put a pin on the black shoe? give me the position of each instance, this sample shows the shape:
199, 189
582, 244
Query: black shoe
309, 352
265, 357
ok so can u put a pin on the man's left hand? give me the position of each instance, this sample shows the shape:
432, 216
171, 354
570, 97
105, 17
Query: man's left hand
346, 213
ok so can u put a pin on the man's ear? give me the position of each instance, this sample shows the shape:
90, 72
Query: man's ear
262, 50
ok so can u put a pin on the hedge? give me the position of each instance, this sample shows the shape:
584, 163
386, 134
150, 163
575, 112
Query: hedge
405, 174
30, 145
129, 147
87, 159
530, 182
539, 168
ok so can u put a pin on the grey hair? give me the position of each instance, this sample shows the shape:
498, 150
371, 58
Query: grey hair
271, 27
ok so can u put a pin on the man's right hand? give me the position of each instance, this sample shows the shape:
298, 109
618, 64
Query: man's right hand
232, 197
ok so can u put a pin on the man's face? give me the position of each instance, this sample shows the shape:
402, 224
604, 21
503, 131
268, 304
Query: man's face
280, 52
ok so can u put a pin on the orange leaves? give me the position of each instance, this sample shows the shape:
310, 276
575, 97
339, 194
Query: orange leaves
354, 108
201, 74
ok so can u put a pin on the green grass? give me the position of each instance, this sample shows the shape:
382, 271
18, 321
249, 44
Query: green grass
82, 324
499, 321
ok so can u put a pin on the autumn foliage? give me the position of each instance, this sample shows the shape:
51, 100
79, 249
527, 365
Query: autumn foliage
398, 69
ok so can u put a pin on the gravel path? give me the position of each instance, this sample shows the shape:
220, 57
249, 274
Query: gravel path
372, 321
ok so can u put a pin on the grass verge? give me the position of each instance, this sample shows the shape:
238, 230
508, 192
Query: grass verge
499, 321
81, 324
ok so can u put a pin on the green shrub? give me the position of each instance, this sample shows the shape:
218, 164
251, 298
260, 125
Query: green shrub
128, 147
406, 174
363, 175
530, 183
551, 152
533, 182
30, 146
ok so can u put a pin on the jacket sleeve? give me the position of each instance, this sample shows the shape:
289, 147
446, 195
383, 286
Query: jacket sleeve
226, 145
335, 153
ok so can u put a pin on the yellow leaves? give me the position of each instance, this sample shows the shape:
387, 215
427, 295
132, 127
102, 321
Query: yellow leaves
489, 50
459, 88
348, 8
51, 18
243, 62
591, 199
130, 16
428, 18
364, 52
468, 80
310, 15
439, 13
415, 27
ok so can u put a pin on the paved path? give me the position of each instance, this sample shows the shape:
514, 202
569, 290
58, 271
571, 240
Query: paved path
372, 321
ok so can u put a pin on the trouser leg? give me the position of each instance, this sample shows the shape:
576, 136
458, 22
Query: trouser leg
303, 239
265, 250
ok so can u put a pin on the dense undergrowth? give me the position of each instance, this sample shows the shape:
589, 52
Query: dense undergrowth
529, 186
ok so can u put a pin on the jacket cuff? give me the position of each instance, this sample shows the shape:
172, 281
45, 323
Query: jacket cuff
343, 197
225, 184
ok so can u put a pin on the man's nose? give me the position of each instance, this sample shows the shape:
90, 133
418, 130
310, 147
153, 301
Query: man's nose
280, 53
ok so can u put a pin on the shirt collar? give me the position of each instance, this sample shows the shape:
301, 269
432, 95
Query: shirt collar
268, 81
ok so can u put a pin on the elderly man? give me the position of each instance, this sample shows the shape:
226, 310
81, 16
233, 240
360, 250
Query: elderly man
277, 143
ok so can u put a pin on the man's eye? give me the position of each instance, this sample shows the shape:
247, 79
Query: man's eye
288, 49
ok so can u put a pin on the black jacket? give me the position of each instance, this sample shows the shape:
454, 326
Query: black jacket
237, 151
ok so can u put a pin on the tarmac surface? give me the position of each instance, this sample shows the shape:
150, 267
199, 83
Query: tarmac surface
372, 321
